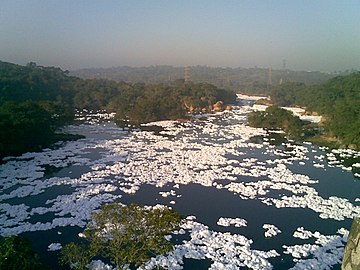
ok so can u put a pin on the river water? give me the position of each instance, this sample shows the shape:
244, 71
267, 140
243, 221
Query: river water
249, 201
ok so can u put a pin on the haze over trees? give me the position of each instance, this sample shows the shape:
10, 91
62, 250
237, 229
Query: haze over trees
35, 101
246, 80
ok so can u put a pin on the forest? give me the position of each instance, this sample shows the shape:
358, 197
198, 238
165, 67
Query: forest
337, 100
35, 101
141, 103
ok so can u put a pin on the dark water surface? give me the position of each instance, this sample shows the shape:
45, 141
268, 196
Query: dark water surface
197, 162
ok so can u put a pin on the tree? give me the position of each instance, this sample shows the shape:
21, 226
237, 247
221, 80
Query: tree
126, 235
23, 127
16, 253
277, 118
77, 256
286, 94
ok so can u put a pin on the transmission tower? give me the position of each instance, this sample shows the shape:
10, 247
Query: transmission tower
187, 74
283, 73
270, 77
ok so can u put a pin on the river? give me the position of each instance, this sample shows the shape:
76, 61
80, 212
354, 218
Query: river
249, 201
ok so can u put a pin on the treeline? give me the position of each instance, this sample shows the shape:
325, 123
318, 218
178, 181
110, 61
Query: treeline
246, 80
140, 103
50, 87
36, 100
338, 100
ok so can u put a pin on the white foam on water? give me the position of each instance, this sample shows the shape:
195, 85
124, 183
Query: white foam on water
202, 152
54, 247
271, 230
237, 222
99, 265
325, 252
229, 251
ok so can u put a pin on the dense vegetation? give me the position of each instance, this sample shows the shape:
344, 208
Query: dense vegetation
36, 100
247, 80
36, 83
275, 117
125, 235
338, 100
27, 126
16, 253
139, 103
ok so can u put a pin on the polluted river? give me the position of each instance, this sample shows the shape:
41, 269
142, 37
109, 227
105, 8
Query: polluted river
248, 201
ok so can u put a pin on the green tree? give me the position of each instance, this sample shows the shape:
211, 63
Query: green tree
287, 94
24, 127
77, 256
126, 235
277, 118
16, 254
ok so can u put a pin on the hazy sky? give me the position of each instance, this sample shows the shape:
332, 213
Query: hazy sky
310, 35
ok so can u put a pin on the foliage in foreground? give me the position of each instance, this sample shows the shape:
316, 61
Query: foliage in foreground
125, 235
16, 253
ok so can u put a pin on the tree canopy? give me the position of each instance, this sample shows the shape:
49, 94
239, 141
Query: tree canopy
16, 253
126, 235
277, 118
35, 100
338, 100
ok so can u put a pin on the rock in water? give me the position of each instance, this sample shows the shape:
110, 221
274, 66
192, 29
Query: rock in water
351, 259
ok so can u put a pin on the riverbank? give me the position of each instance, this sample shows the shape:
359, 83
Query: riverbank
337, 154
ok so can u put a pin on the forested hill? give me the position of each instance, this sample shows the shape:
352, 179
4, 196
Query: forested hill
31, 82
34, 102
246, 80
338, 100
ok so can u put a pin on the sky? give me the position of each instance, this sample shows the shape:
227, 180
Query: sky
311, 35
